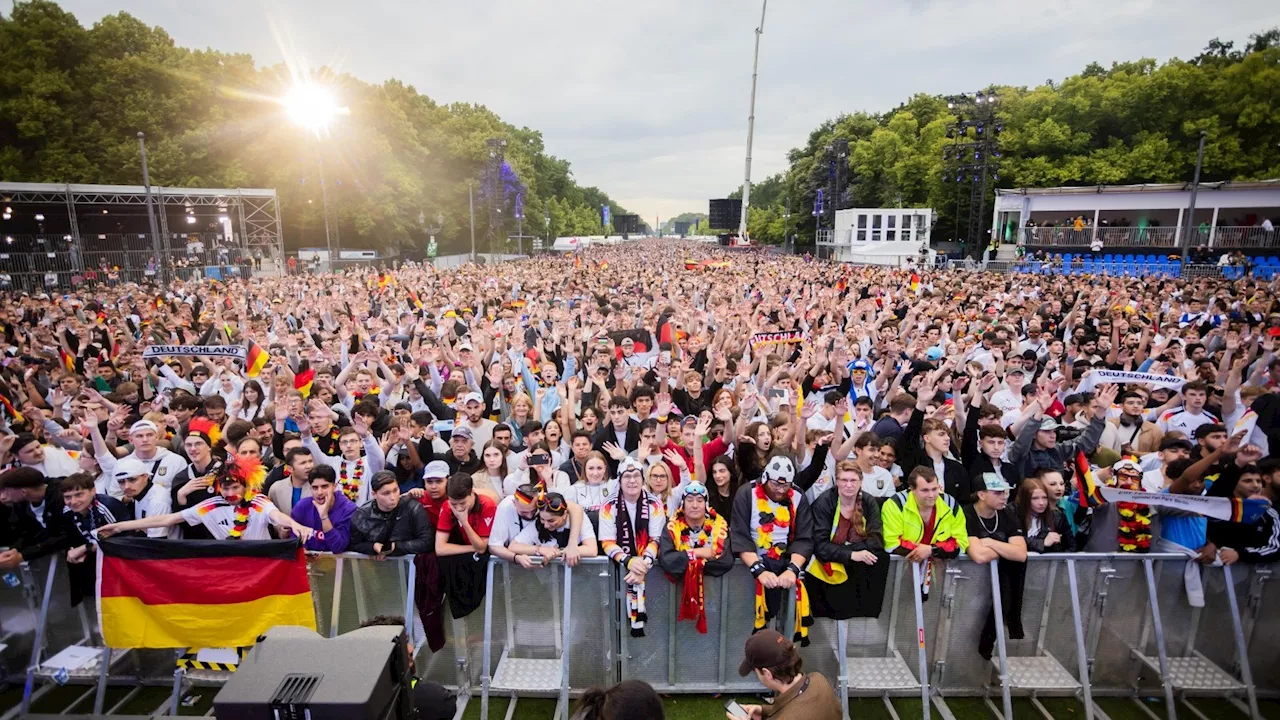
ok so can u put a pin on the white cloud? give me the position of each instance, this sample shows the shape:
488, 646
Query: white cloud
648, 101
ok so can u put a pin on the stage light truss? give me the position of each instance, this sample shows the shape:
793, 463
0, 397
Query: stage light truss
256, 211
972, 159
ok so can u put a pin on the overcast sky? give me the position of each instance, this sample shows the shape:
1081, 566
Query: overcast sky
648, 100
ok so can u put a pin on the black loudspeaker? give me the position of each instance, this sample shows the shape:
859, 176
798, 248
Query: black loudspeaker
725, 214
626, 224
295, 674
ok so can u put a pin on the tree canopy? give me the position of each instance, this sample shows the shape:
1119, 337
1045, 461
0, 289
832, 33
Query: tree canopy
1135, 122
72, 100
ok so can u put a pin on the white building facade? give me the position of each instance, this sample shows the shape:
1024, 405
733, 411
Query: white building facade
877, 236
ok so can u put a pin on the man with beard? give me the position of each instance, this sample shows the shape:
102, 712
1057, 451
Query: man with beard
772, 532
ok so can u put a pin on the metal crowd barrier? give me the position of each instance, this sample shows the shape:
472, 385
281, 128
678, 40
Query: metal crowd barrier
1094, 625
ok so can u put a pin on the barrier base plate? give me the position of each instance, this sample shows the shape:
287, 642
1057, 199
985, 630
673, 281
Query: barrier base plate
89, 672
205, 678
1040, 673
526, 675
883, 673
1196, 673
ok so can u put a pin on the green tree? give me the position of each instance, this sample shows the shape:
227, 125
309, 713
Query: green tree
72, 100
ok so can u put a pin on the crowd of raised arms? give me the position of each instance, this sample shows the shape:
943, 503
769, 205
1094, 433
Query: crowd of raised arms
664, 404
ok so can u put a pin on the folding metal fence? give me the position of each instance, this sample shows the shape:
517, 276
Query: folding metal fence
1093, 625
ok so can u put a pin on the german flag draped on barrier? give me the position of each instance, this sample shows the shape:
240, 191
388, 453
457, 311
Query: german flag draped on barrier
200, 593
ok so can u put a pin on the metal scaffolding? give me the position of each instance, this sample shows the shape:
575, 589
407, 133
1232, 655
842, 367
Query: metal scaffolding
254, 211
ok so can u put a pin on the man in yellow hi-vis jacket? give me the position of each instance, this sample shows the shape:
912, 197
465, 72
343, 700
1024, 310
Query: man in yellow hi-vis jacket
923, 523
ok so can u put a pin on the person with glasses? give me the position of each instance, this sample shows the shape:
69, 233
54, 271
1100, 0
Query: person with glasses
772, 531
631, 522
693, 547
847, 575
550, 534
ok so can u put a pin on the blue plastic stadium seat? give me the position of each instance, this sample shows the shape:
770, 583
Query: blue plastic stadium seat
1128, 257
1108, 257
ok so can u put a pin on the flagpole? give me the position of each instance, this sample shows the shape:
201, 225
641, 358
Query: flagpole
751, 126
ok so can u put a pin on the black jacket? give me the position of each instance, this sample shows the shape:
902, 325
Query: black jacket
675, 562
1035, 543
740, 533
606, 434
911, 454
408, 527
1012, 474
824, 515
20, 530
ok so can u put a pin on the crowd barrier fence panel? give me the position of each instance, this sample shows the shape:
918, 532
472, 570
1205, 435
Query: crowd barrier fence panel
1095, 624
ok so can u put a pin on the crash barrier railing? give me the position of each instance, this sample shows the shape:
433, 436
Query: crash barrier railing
60, 267
1093, 625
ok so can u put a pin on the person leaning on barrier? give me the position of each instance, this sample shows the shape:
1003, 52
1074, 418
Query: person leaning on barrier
923, 523
326, 511
996, 534
30, 506
772, 532
390, 525
462, 544
1046, 526
83, 512
847, 575
518, 511
237, 512
693, 547
631, 522
550, 535
778, 667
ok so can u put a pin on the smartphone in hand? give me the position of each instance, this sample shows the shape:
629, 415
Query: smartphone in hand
733, 708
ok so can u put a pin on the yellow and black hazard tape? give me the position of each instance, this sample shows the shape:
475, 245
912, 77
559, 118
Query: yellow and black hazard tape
189, 662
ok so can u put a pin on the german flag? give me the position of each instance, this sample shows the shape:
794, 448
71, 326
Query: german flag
691, 265
1087, 492
915, 282
415, 300
577, 262
68, 360
7, 405
159, 302
302, 381
198, 593
385, 280
519, 304
255, 359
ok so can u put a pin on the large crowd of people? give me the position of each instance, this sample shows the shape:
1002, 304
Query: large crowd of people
669, 406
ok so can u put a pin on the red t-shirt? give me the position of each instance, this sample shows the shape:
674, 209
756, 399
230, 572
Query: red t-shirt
435, 508
480, 519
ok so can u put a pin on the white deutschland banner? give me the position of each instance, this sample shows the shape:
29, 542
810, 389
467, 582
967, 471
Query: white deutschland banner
1098, 377
238, 352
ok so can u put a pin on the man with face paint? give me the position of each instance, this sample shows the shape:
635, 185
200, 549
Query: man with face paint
772, 533
238, 511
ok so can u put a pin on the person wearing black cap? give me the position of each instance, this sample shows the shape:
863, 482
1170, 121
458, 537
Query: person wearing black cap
779, 668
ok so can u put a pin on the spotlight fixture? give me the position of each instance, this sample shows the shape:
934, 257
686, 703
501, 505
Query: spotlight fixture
8, 216
39, 217
67, 238
104, 211
8, 239
191, 220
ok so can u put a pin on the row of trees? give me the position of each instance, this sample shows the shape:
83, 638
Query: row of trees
72, 100
1135, 122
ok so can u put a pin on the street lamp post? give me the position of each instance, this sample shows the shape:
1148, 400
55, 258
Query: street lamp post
471, 210
161, 267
